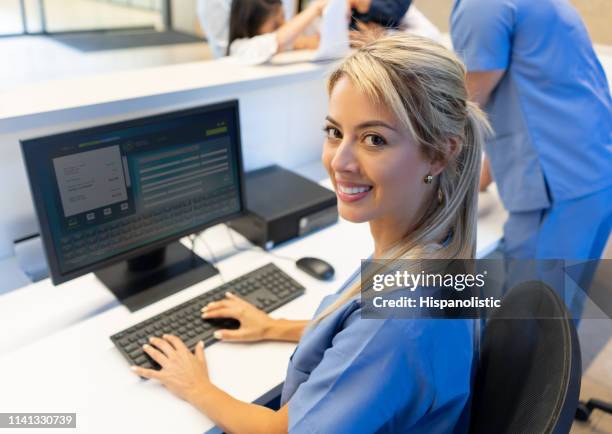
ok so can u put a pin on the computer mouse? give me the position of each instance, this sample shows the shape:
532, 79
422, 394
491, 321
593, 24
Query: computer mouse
317, 268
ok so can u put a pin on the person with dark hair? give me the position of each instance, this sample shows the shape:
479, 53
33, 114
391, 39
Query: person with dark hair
258, 29
214, 18
386, 13
378, 15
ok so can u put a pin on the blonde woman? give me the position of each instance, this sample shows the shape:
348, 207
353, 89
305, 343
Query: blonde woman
402, 148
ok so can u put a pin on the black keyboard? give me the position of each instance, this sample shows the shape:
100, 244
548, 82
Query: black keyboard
267, 287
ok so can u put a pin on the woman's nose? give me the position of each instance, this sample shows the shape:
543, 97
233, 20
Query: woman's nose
345, 159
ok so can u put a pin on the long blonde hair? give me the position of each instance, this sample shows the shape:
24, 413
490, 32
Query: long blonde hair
424, 85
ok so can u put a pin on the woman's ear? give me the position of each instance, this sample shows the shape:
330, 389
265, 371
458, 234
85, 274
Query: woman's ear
451, 148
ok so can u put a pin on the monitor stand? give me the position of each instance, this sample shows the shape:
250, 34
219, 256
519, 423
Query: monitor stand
148, 278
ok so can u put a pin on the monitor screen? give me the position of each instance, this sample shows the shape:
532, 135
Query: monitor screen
109, 193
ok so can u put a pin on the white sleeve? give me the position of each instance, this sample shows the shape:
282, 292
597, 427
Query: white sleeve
214, 19
256, 50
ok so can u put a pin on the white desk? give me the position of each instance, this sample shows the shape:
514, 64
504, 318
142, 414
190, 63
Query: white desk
77, 369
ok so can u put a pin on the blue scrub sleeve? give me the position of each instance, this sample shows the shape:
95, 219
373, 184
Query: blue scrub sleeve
481, 31
367, 377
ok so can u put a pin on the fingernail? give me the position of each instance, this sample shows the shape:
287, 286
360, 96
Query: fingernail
134, 368
228, 293
146, 346
204, 309
202, 344
204, 315
217, 334
150, 338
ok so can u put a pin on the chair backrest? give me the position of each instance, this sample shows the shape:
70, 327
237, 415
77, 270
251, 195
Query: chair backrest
528, 378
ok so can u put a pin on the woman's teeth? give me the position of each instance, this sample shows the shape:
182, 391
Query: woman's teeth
354, 190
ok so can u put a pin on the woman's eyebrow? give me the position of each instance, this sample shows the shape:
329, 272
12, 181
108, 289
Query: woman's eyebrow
330, 119
375, 124
364, 124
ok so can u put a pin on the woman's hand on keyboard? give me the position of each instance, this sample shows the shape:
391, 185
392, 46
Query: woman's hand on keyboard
184, 373
254, 323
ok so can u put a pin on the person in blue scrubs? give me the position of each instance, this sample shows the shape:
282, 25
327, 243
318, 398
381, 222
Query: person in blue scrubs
403, 149
532, 67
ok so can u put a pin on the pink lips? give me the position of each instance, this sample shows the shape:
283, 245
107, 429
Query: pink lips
350, 197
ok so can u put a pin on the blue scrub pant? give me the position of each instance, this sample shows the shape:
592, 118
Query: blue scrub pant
576, 229
571, 229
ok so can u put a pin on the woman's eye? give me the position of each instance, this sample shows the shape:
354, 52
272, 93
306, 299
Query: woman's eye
332, 133
375, 140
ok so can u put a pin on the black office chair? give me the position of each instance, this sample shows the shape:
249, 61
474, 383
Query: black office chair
528, 379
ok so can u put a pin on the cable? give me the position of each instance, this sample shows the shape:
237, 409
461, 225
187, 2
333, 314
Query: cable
213, 259
199, 235
236, 246
253, 246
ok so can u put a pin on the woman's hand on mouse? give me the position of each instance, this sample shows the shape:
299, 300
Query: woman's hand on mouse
254, 323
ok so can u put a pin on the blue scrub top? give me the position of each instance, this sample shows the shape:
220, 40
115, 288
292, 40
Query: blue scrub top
551, 111
353, 375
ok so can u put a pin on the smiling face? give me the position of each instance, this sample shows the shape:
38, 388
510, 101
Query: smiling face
375, 165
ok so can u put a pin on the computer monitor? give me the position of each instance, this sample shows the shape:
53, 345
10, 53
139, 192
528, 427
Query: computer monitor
114, 199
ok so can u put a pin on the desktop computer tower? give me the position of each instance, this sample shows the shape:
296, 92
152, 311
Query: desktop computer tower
282, 205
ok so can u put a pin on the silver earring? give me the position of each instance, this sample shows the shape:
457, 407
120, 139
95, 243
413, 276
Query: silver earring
428, 179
